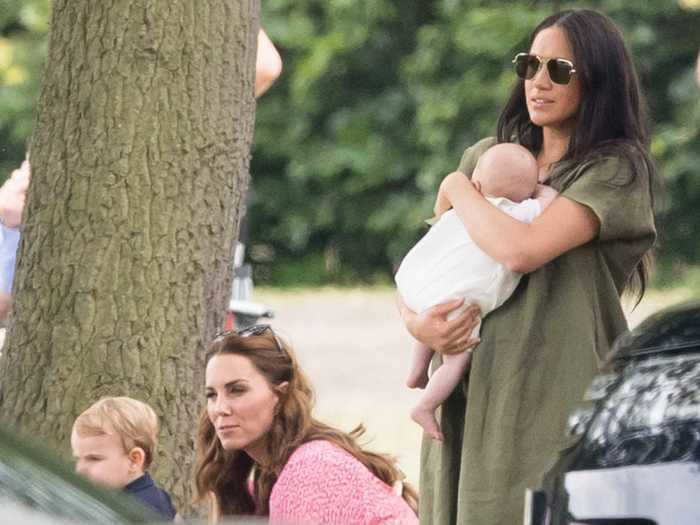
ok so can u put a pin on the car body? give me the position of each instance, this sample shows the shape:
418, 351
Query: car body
37, 488
634, 457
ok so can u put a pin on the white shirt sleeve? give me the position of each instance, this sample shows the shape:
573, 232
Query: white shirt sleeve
9, 242
525, 211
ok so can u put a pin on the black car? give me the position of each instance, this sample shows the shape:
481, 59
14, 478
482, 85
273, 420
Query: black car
635, 452
37, 488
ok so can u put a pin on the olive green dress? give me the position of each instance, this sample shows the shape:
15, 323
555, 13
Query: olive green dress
505, 423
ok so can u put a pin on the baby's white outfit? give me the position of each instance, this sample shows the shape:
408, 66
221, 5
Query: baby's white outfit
447, 264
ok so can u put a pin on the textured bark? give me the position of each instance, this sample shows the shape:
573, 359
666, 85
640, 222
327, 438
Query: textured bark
140, 158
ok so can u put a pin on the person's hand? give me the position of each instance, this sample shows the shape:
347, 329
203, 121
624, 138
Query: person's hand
442, 203
432, 328
450, 185
13, 195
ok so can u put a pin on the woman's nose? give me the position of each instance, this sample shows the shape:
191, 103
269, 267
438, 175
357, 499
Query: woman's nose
221, 406
541, 78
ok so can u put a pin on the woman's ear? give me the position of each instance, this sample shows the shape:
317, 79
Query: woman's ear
283, 387
137, 457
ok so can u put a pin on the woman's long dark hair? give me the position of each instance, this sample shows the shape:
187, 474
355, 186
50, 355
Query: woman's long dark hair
226, 474
612, 119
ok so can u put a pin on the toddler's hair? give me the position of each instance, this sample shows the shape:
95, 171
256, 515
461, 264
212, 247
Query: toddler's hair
133, 421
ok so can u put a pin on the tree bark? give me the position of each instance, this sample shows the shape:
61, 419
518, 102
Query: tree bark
140, 159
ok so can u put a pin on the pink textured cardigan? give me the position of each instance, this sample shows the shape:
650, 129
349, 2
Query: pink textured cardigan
322, 484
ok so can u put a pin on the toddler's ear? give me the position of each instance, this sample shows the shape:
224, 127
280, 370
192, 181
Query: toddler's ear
137, 456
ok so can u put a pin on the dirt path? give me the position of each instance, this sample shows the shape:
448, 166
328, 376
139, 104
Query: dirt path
353, 346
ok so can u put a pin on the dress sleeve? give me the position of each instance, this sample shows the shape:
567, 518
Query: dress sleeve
619, 197
526, 211
471, 155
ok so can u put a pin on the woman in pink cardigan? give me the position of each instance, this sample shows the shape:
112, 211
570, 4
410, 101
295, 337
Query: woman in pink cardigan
260, 452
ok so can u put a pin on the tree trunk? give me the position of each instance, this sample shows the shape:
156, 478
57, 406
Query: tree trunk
140, 160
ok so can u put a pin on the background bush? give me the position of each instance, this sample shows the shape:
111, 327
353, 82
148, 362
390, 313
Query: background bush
376, 103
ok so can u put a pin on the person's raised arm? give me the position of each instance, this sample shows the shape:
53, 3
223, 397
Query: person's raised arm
521, 247
13, 195
268, 64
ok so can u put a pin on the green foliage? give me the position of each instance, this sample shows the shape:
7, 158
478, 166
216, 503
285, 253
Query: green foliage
379, 99
376, 103
23, 33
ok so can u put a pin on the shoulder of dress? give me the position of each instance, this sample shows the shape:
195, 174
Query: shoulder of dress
319, 466
470, 156
319, 450
612, 169
483, 144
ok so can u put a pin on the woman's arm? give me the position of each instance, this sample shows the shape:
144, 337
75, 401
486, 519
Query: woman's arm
521, 247
268, 64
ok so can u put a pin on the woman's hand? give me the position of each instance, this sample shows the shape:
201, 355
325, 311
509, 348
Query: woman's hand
452, 183
432, 328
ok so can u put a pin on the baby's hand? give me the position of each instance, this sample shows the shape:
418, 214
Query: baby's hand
545, 195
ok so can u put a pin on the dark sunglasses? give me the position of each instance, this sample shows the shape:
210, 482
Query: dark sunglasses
559, 69
255, 330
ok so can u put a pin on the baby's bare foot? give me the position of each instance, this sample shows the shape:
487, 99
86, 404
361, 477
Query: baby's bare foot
426, 419
417, 379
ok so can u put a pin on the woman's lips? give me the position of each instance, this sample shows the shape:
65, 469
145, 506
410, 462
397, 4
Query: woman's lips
540, 102
224, 429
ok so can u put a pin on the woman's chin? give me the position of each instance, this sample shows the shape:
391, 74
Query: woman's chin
230, 443
543, 120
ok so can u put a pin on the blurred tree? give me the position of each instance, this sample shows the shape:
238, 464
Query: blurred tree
23, 31
377, 101
379, 98
140, 155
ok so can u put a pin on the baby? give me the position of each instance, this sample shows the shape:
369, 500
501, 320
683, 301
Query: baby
113, 444
446, 264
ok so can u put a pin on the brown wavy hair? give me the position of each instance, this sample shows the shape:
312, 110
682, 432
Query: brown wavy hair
225, 474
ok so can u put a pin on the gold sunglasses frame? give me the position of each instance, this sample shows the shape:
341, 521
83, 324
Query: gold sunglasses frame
543, 63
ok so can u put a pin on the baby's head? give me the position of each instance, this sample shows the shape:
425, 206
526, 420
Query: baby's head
114, 441
507, 170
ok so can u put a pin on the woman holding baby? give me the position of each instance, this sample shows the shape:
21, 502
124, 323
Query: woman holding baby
578, 107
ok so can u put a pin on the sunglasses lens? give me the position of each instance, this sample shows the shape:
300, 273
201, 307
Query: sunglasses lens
559, 71
526, 66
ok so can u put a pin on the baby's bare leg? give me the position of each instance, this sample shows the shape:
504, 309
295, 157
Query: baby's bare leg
441, 384
420, 362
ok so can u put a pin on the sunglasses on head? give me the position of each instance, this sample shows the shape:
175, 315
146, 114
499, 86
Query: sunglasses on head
559, 69
255, 330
